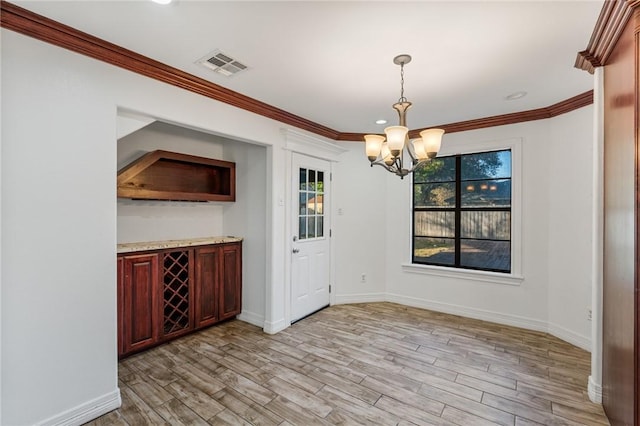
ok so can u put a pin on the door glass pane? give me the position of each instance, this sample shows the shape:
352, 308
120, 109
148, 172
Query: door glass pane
320, 185
434, 224
434, 250
320, 226
303, 203
303, 179
302, 228
311, 229
312, 180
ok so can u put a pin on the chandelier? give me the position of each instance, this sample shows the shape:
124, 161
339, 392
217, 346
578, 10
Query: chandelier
390, 151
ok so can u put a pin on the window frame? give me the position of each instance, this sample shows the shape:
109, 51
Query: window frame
515, 277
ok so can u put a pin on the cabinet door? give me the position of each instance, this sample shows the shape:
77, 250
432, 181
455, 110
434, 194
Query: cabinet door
231, 281
139, 302
206, 288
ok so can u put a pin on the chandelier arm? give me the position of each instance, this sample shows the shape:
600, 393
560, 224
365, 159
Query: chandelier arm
382, 164
417, 164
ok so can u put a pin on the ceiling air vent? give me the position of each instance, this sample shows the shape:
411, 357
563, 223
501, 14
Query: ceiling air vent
222, 63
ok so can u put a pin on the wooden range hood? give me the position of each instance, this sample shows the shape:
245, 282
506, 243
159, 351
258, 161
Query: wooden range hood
165, 175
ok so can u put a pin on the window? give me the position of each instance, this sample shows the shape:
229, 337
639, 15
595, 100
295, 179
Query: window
462, 212
310, 212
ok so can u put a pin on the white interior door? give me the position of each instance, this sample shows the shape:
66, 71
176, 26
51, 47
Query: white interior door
311, 220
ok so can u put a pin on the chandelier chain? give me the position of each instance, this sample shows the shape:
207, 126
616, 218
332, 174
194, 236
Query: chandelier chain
402, 98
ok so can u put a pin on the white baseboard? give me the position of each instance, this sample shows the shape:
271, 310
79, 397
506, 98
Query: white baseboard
272, 327
491, 316
87, 411
569, 336
595, 391
576, 339
252, 318
343, 299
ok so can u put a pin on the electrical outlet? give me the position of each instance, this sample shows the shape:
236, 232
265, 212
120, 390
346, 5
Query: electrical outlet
363, 278
589, 316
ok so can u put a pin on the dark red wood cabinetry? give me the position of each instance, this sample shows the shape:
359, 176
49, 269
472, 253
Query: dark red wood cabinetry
208, 279
164, 294
230, 285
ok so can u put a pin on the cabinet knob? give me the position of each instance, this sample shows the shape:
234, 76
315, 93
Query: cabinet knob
296, 251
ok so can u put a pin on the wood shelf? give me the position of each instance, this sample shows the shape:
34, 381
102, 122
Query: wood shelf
165, 175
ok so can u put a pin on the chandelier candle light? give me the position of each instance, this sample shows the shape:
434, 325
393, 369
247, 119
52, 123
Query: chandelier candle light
389, 152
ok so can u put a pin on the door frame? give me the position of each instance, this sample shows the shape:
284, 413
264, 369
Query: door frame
311, 146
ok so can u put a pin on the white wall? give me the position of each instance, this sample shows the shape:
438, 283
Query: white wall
556, 233
59, 221
359, 227
247, 217
571, 224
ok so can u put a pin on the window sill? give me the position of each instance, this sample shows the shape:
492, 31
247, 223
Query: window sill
467, 274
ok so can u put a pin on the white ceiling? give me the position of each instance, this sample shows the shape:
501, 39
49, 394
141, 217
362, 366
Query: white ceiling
331, 62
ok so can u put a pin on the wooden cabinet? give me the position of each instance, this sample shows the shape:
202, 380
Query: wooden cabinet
218, 283
230, 282
208, 279
138, 306
165, 294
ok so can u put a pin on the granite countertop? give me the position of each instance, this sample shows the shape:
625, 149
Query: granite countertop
187, 242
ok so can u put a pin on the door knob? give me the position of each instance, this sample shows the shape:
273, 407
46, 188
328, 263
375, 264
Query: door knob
296, 251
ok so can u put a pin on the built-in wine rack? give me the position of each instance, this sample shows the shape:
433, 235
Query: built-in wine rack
176, 291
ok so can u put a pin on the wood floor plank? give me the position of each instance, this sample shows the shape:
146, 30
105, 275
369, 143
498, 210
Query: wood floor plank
464, 418
524, 411
354, 389
295, 413
410, 398
136, 411
508, 393
201, 403
178, 414
362, 364
245, 408
476, 408
410, 413
356, 408
258, 393
305, 399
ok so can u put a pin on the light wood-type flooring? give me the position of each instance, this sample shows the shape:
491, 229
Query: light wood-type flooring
369, 364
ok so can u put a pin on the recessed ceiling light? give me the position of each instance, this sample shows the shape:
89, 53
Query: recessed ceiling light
381, 121
515, 95
161, 1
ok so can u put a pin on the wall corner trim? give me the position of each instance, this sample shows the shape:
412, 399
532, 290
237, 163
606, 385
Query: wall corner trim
595, 391
252, 318
86, 411
273, 327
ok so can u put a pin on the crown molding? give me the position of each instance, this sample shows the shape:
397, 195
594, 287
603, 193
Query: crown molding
612, 20
16, 18
21, 20
554, 110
